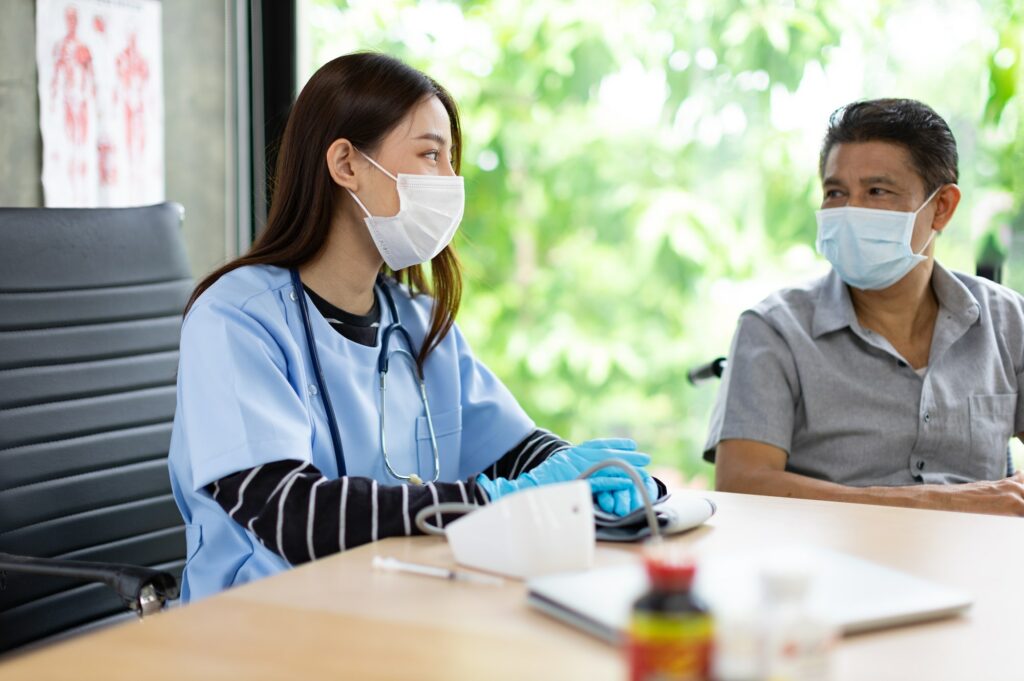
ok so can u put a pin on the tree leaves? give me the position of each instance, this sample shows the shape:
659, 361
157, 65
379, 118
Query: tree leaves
632, 183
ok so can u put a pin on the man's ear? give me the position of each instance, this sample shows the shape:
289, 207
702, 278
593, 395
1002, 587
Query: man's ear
341, 158
946, 202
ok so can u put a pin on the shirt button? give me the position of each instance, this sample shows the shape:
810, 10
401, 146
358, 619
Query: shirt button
312, 390
927, 417
920, 465
292, 295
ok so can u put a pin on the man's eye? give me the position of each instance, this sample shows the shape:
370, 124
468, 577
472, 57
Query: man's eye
878, 191
832, 193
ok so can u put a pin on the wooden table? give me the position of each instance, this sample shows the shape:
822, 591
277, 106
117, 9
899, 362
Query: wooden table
339, 619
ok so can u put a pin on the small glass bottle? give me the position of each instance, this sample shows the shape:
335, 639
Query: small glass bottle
670, 633
798, 644
738, 649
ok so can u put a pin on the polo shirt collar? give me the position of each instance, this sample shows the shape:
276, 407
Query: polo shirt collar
834, 308
954, 297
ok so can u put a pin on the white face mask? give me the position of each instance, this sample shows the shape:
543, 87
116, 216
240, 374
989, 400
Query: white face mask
870, 248
430, 209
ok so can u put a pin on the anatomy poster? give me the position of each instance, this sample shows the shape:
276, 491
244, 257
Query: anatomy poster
100, 102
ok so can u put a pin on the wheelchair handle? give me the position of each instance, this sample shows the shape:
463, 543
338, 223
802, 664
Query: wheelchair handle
706, 372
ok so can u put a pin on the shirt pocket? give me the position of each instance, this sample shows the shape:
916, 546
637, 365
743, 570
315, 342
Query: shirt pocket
992, 418
448, 434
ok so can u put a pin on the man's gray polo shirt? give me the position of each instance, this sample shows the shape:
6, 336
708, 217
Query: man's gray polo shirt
804, 376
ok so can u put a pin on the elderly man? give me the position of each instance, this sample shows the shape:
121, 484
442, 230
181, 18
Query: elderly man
891, 380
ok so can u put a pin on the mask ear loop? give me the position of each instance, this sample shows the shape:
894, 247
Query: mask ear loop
928, 243
926, 201
381, 169
358, 202
379, 166
934, 231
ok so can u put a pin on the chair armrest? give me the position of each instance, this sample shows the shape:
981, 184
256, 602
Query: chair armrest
142, 589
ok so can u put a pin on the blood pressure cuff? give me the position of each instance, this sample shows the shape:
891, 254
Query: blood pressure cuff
675, 514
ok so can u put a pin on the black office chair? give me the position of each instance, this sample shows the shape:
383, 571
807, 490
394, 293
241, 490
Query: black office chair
90, 312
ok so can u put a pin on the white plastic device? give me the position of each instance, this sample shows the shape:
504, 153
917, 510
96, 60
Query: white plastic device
530, 533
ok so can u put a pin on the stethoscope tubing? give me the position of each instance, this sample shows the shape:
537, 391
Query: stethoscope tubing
332, 422
382, 368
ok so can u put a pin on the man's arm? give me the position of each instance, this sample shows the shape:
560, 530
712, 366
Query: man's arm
757, 468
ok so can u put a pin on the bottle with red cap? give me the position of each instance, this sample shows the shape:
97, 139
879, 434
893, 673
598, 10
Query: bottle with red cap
670, 631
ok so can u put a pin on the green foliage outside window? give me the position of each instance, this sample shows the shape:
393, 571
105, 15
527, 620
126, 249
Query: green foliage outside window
638, 173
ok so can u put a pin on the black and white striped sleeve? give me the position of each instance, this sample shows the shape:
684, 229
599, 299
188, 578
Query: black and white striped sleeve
527, 455
301, 515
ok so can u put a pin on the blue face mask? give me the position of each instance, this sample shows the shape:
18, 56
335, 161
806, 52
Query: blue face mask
870, 248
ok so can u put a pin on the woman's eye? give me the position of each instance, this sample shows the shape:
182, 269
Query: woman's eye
433, 155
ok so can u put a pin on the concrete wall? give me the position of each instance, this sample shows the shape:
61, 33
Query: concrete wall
198, 154
20, 143
196, 108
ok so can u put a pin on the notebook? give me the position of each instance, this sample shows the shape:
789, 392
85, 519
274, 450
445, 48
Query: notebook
856, 594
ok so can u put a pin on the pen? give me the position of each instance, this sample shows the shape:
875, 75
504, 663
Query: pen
395, 565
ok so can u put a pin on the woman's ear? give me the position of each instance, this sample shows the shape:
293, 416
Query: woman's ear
341, 157
946, 202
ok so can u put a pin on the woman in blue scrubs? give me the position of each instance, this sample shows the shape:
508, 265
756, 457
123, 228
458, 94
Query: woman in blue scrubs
325, 394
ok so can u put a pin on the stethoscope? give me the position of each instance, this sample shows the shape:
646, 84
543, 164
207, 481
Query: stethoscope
395, 327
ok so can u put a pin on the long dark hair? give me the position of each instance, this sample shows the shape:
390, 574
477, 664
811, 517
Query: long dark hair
360, 97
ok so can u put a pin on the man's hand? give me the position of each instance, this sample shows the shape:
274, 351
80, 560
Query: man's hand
1000, 497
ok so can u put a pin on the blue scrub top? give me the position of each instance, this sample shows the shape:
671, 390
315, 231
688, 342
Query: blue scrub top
247, 396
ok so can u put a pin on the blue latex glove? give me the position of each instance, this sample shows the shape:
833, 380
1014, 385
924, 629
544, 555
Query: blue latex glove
570, 463
624, 501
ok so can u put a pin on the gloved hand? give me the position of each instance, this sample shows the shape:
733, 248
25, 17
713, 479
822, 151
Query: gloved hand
610, 484
625, 501
621, 502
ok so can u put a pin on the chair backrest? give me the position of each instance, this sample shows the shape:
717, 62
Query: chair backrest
90, 313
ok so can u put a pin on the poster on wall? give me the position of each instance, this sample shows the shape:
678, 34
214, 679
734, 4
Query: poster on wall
100, 102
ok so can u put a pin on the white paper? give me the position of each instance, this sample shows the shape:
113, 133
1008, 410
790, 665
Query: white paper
100, 102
